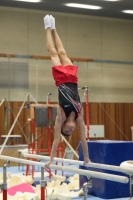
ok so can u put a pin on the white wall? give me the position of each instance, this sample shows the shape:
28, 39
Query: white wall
22, 32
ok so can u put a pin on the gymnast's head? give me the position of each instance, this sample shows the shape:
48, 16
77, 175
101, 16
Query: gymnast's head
68, 127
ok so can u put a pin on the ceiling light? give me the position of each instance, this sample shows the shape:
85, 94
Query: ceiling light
31, 1
76, 5
111, 0
128, 11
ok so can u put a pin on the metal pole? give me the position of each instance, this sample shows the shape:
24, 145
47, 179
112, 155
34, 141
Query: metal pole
4, 186
43, 184
130, 186
28, 115
9, 90
125, 170
86, 109
68, 144
85, 188
85, 191
36, 79
88, 173
87, 112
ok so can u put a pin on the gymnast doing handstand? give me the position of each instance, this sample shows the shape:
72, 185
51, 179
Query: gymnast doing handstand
69, 111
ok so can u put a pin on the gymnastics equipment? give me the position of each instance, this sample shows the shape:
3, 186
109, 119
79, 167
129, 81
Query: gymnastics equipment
126, 170
43, 116
13, 125
5, 114
2, 102
128, 164
4, 185
89, 174
11, 137
15, 121
90, 129
122, 169
87, 110
132, 133
77, 162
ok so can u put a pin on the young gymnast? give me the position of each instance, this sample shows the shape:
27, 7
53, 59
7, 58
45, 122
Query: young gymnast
69, 111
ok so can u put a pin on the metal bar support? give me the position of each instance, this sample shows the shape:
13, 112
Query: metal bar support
43, 185
4, 185
85, 188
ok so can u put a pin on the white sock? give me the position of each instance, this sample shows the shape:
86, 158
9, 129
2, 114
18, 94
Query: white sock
47, 23
52, 19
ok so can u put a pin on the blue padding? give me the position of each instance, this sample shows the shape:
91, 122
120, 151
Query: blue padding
112, 153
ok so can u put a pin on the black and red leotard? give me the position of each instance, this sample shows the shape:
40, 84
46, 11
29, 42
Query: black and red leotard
66, 81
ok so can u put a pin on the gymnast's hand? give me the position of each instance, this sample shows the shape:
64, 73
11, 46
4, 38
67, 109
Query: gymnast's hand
48, 164
86, 162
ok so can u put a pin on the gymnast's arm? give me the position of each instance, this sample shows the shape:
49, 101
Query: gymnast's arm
57, 132
81, 126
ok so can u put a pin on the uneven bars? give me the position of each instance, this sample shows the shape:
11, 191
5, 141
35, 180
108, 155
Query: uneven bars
33, 99
2, 102
89, 174
9, 133
69, 146
76, 162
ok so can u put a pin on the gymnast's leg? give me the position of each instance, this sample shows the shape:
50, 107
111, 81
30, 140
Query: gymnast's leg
58, 44
50, 45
